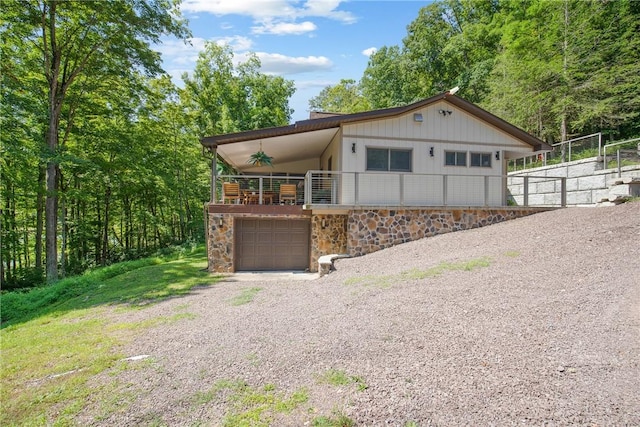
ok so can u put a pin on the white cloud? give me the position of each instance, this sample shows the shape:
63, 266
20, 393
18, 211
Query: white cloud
284, 28
275, 63
370, 51
313, 84
264, 10
327, 9
237, 43
257, 9
179, 52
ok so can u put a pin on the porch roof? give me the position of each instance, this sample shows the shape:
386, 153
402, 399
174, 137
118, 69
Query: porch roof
284, 144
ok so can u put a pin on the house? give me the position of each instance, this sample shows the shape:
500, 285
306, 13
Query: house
363, 182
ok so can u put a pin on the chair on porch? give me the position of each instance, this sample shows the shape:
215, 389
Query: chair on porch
231, 191
288, 193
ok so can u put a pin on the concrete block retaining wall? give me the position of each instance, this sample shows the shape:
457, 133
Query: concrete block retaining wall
587, 183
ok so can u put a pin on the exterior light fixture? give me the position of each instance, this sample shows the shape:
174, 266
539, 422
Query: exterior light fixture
445, 112
417, 117
220, 222
497, 155
431, 152
353, 147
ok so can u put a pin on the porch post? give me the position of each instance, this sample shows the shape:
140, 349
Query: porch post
214, 173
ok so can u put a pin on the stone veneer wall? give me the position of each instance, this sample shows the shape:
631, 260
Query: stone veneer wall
328, 239
361, 231
372, 230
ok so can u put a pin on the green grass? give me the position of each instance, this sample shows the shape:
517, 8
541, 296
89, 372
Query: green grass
417, 274
338, 377
131, 282
337, 420
51, 351
249, 406
245, 297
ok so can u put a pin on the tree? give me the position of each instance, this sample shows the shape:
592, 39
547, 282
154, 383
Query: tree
226, 98
344, 97
386, 81
566, 68
79, 42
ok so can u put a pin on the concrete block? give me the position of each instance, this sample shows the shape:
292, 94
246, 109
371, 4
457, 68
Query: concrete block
572, 184
600, 195
579, 198
552, 199
545, 187
595, 182
625, 190
536, 199
582, 169
515, 189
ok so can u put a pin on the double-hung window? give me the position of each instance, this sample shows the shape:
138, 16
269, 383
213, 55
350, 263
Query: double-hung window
455, 158
482, 160
388, 159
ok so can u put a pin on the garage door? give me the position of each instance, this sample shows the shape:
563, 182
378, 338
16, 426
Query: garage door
272, 244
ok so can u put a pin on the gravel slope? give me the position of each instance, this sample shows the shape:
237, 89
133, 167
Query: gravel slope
547, 332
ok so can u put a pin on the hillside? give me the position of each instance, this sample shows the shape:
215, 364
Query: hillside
532, 321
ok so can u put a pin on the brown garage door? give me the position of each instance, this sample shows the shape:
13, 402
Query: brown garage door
272, 244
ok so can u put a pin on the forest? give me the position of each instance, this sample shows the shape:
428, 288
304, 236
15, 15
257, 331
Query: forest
101, 160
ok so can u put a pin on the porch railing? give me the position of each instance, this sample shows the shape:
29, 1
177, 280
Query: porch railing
409, 189
401, 189
260, 189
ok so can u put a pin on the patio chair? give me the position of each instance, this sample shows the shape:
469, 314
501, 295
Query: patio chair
231, 191
288, 193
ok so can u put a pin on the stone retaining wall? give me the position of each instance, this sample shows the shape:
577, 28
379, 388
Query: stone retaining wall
360, 232
372, 230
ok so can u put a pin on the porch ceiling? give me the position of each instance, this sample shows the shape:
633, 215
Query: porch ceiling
283, 148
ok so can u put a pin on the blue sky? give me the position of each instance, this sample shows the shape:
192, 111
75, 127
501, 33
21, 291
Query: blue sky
315, 43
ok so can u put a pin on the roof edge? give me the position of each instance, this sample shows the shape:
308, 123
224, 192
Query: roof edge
329, 122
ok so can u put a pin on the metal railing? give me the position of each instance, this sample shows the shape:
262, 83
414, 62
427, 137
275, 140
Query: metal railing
260, 189
569, 146
615, 144
527, 190
409, 189
562, 152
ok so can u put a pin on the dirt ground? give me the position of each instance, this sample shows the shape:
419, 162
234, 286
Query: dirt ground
534, 321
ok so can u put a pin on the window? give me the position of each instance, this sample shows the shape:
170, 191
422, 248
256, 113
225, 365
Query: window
388, 159
455, 158
482, 160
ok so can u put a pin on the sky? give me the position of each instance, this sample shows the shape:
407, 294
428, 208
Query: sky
315, 43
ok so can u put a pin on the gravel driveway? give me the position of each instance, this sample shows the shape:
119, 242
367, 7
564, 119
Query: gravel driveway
534, 321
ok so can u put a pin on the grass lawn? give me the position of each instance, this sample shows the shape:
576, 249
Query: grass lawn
54, 339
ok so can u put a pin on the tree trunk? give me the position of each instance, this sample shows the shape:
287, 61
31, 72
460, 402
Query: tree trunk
105, 229
40, 216
51, 215
52, 71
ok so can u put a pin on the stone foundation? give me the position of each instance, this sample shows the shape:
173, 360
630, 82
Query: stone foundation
372, 230
359, 232
328, 236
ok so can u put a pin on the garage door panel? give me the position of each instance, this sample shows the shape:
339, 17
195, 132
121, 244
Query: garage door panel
272, 244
